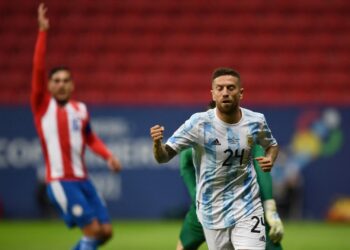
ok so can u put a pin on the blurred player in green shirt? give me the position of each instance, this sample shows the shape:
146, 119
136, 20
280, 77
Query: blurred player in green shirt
192, 235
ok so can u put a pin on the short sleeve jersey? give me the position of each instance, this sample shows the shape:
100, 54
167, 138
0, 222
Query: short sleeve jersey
227, 188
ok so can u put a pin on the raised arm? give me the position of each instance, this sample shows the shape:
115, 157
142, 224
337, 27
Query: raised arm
39, 93
162, 153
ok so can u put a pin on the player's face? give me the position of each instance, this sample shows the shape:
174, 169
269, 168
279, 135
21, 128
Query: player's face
61, 85
227, 93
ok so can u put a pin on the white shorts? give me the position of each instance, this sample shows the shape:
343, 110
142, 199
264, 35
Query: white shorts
247, 233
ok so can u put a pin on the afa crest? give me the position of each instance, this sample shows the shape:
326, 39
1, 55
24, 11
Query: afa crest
250, 140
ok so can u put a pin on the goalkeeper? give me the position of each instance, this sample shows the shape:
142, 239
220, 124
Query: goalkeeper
192, 235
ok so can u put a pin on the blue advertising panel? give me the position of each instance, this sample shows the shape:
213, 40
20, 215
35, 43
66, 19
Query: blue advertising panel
312, 170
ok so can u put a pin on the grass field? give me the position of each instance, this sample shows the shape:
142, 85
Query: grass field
158, 235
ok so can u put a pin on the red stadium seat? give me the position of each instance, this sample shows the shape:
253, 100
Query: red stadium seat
288, 52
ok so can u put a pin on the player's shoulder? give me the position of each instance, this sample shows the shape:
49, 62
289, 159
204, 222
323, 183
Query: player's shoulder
205, 115
201, 117
79, 106
252, 115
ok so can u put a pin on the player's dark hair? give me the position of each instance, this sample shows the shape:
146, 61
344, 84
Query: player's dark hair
58, 68
225, 71
211, 104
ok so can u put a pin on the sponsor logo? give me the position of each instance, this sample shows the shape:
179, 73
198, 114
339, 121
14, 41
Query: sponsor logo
215, 142
77, 210
262, 238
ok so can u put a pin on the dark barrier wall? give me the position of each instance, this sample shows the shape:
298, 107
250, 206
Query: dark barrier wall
312, 171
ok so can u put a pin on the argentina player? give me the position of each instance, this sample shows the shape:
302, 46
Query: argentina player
228, 200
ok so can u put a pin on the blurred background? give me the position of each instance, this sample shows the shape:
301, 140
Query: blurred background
138, 63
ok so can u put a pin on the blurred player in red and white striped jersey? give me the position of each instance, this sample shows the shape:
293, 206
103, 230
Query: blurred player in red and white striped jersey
64, 129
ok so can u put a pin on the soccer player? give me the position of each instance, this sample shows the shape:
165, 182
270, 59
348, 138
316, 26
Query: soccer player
64, 129
192, 235
228, 203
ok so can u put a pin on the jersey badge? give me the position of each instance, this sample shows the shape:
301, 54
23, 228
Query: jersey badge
76, 124
250, 140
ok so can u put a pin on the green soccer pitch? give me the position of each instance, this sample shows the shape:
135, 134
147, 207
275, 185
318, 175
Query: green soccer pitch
157, 235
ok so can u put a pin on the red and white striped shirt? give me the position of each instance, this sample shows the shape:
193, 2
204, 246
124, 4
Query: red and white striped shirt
64, 131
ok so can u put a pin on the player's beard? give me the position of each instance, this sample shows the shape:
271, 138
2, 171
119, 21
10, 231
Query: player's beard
227, 108
62, 99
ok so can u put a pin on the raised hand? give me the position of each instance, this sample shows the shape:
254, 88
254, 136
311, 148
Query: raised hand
43, 21
157, 133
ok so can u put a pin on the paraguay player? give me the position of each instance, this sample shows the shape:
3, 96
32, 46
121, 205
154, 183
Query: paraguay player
64, 130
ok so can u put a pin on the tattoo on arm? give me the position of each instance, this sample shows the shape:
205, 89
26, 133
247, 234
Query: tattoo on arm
163, 153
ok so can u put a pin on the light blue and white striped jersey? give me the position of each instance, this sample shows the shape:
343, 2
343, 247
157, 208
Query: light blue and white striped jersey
227, 188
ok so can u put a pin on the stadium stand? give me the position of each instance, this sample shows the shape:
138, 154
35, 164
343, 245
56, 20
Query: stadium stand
146, 52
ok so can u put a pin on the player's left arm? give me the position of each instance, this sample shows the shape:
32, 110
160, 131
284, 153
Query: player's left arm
99, 148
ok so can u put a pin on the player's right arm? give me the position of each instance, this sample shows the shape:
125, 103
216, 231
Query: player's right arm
162, 152
39, 92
